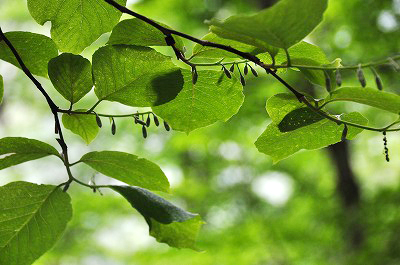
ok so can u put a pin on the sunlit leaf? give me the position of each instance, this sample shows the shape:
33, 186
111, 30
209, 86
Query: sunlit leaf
128, 168
18, 150
75, 24
35, 50
368, 96
168, 223
280, 141
71, 75
213, 98
211, 52
282, 25
84, 125
33, 217
137, 32
135, 76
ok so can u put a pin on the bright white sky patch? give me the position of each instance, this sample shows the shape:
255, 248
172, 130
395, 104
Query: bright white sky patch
387, 22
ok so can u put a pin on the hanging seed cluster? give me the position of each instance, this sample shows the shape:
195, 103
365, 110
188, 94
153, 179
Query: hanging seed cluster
246, 68
385, 147
140, 119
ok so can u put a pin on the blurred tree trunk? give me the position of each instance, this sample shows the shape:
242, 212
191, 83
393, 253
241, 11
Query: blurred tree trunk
349, 192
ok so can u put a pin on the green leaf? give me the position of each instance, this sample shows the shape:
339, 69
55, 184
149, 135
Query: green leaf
84, 125
128, 168
168, 223
283, 25
135, 76
1, 89
213, 98
137, 32
33, 217
288, 134
211, 52
75, 24
368, 96
20, 150
71, 75
35, 50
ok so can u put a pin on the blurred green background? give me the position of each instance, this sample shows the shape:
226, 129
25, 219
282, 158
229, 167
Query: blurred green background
330, 206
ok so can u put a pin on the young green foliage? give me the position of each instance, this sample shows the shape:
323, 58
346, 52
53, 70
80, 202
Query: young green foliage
213, 98
137, 32
368, 96
75, 24
84, 125
167, 222
35, 50
135, 76
282, 25
289, 133
128, 168
33, 217
71, 75
19, 150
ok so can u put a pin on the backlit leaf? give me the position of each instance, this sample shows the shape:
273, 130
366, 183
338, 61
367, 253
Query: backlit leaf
71, 75
282, 25
168, 223
84, 125
18, 150
135, 76
33, 217
213, 98
128, 168
35, 50
75, 24
307, 132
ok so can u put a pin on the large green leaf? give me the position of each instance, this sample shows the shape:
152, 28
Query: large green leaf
1, 89
35, 50
75, 24
368, 96
71, 75
282, 25
211, 52
19, 150
33, 217
128, 168
137, 32
289, 133
168, 223
135, 76
213, 98
84, 125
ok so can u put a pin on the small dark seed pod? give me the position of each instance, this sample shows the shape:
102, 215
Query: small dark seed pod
139, 121
327, 82
361, 77
98, 120
148, 121
156, 121
195, 75
242, 80
386, 149
113, 127
166, 126
338, 78
246, 69
378, 81
227, 73
344, 133
144, 131
232, 68
253, 71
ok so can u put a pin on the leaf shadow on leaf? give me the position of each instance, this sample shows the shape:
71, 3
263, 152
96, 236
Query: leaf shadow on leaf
298, 118
172, 80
